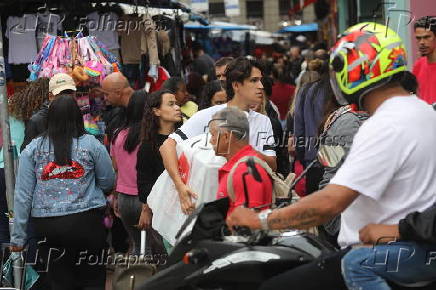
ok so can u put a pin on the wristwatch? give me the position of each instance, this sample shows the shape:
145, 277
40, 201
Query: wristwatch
263, 217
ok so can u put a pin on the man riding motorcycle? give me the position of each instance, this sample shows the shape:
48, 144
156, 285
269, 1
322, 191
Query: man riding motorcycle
390, 169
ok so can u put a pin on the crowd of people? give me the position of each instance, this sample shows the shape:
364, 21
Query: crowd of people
357, 99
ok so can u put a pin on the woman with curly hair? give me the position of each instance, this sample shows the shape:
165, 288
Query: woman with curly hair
21, 106
28, 100
161, 117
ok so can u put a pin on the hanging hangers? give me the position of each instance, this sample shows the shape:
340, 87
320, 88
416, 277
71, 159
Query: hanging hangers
99, 8
106, 8
44, 10
135, 13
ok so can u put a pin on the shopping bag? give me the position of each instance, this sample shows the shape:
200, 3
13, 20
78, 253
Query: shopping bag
12, 268
198, 166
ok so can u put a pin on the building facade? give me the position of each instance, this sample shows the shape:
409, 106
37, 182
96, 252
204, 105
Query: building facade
269, 15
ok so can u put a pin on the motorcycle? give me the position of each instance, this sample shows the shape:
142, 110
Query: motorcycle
208, 256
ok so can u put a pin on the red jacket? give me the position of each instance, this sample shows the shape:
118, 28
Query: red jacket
281, 96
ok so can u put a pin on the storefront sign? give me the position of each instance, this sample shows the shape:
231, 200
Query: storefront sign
232, 7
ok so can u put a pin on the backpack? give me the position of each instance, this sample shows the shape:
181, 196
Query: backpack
280, 186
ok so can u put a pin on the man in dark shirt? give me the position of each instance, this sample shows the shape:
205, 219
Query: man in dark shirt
203, 63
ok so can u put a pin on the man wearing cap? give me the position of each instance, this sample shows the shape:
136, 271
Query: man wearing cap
60, 83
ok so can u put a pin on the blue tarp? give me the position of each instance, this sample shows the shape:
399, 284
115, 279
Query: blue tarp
222, 27
300, 28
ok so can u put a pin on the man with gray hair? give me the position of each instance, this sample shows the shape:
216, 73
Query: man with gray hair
230, 131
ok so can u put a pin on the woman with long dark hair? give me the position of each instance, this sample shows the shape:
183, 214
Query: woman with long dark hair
213, 94
124, 150
60, 184
161, 117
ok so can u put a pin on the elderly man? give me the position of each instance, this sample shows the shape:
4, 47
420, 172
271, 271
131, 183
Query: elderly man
230, 136
244, 88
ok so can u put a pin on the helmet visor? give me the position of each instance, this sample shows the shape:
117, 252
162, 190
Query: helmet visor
337, 91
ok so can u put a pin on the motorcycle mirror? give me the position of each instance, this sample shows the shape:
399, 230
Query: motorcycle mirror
330, 156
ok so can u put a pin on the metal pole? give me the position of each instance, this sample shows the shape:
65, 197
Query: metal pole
8, 156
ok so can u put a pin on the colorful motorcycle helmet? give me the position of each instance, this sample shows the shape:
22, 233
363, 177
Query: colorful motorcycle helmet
365, 57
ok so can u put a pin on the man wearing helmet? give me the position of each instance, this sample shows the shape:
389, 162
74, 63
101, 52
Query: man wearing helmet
391, 165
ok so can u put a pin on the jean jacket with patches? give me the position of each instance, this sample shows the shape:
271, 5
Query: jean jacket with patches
45, 189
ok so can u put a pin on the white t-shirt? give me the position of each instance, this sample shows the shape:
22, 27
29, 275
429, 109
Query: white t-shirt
47, 24
392, 164
104, 28
261, 133
22, 39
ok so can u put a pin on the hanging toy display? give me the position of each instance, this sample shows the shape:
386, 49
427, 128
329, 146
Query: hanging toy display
88, 62
84, 58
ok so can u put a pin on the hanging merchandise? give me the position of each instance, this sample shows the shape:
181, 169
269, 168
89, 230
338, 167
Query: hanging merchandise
22, 41
131, 40
103, 26
48, 23
149, 45
154, 84
85, 58
164, 48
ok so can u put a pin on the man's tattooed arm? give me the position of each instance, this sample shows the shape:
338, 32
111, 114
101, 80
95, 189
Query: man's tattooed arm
314, 209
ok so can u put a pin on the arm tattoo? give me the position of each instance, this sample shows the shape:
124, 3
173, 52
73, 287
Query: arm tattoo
305, 218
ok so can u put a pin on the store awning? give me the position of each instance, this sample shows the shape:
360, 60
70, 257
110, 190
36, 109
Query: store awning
300, 28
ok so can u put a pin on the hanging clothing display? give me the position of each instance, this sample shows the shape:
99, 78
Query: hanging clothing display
22, 41
130, 40
103, 27
156, 84
47, 23
165, 56
149, 45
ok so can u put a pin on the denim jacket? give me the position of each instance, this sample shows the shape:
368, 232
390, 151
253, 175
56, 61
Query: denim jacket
44, 189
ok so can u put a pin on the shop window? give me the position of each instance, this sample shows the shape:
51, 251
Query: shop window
217, 9
254, 9
284, 6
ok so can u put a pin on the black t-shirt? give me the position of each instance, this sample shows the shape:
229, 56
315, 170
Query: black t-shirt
149, 166
114, 118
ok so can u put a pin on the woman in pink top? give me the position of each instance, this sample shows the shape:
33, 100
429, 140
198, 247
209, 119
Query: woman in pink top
124, 149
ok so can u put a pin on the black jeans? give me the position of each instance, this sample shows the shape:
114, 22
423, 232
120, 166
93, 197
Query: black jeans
323, 273
73, 249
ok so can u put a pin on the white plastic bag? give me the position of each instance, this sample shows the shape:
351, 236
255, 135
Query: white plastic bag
198, 167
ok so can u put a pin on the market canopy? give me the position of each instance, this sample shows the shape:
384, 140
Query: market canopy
218, 25
300, 28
